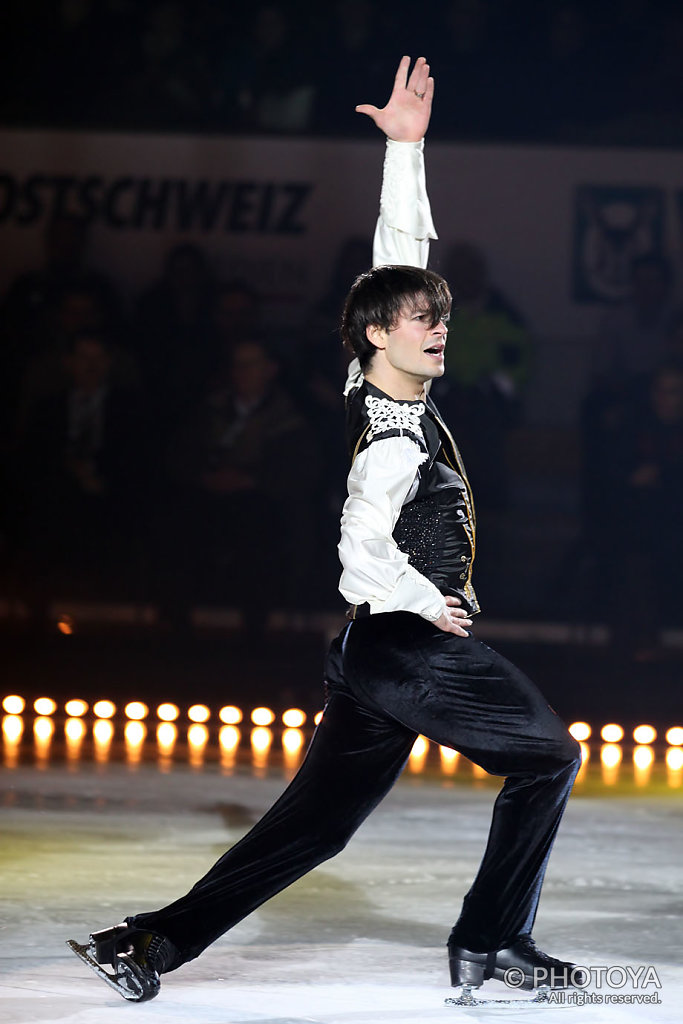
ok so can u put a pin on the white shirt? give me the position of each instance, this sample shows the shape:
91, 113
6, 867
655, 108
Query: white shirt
384, 476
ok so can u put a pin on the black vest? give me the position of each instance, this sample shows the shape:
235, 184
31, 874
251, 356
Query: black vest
436, 527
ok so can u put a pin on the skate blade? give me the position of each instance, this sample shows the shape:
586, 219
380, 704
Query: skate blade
125, 983
466, 998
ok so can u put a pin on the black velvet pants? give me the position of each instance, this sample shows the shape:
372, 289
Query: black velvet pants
391, 677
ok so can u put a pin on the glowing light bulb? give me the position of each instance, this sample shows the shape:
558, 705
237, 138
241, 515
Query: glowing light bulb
44, 706
168, 712
674, 736
612, 733
199, 713
104, 709
580, 731
318, 718
136, 710
293, 718
644, 734
65, 625
262, 716
230, 715
76, 708
13, 705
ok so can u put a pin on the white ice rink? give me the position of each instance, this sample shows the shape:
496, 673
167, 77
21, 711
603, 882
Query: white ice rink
358, 941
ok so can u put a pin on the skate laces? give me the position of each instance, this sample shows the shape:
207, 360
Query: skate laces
529, 945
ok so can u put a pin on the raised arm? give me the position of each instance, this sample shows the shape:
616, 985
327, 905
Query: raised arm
405, 225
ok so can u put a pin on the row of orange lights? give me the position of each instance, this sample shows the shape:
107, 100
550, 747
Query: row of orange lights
293, 718
613, 733
292, 743
137, 711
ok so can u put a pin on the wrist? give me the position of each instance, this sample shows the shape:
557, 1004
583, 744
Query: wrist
405, 142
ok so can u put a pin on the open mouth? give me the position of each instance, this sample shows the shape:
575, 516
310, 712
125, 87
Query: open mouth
435, 350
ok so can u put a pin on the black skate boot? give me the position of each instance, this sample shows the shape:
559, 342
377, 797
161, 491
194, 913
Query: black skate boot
137, 958
521, 966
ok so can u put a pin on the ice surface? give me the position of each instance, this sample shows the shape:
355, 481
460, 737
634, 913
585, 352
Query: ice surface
359, 940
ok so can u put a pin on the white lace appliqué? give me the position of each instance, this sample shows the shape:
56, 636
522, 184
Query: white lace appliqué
387, 415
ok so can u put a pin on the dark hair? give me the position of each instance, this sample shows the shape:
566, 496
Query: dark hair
381, 296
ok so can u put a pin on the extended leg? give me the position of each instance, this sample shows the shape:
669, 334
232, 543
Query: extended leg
353, 761
458, 692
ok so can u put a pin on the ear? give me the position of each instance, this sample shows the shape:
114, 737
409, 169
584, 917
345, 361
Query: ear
376, 335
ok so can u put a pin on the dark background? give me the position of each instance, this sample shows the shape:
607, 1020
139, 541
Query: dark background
167, 458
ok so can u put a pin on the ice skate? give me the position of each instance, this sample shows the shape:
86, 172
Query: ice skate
136, 957
521, 966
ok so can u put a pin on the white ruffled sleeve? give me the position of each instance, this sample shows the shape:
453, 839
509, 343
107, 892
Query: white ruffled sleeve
405, 224
374, 569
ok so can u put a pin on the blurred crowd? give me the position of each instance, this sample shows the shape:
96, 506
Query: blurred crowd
609, 72
181, 451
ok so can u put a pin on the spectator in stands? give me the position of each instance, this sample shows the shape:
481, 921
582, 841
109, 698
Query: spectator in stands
80, 470
632, 337
236, 310
85, 306
486, 372
170, 84
37, 297
639, 522
245, 459
266, 86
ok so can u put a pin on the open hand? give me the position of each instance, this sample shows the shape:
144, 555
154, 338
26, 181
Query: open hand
454, 619
406, 116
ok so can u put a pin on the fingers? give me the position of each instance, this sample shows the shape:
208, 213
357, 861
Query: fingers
367, 108
402, 74
418, 78
429, 93
454, 619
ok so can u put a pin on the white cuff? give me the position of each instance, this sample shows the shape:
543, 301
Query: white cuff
404, 204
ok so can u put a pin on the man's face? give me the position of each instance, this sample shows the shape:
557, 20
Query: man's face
413, 348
